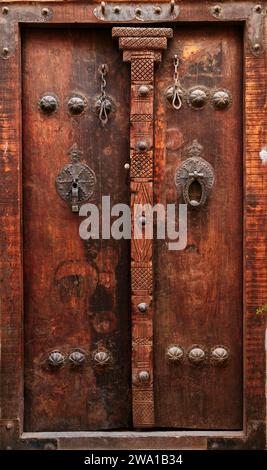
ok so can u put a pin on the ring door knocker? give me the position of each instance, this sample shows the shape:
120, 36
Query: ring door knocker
76, 182
195, 177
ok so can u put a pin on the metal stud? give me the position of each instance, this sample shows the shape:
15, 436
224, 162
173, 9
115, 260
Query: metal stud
138, 11
219, 356
45, 11
143, 376
48, 104
197, 355
157, 10
76, 105
126, 166
102, 358
142, 146
117, 10
77, 358
142, 307
175, 354
197, 97
56, 359
221, 99
143, 90
5, 10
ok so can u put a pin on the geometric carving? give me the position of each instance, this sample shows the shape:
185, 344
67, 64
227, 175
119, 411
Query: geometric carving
146, 43
120, 32
142, 165
142, 278
142, 70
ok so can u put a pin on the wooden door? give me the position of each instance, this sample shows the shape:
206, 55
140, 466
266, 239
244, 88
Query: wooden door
76, 294
198, 291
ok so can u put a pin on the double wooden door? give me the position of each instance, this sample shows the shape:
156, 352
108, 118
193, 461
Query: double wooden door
125, 334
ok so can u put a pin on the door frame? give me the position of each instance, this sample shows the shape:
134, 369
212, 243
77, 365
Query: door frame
252, 17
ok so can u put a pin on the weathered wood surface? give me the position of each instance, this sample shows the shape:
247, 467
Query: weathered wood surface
198, 291
76, 293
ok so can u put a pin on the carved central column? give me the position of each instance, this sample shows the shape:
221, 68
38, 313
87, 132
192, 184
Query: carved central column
142, 48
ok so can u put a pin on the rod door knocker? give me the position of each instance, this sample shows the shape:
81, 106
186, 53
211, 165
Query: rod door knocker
103, 104
175, 92
195, 177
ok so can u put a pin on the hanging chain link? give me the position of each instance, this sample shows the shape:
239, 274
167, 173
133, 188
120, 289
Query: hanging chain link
176, 102
103, 115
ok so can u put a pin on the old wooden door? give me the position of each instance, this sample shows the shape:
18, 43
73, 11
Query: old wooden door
130, 334
77, 293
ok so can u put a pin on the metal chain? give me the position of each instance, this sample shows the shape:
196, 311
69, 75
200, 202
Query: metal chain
176, 102
103, 115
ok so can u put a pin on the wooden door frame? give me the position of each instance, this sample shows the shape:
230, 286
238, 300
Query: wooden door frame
13, 16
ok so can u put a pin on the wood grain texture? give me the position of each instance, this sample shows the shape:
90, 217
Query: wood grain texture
198, 291
11, 311
255, 242
75, 295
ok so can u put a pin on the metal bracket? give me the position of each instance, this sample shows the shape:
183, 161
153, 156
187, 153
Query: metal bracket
154, 12
255, 24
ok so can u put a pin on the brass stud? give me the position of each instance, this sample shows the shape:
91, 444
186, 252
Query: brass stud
138, 11
5, 10
117, 10
126, 166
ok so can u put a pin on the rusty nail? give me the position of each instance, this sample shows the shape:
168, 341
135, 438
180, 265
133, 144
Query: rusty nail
217, 10
258, 8
5, 10
45, 11
256, 47
9, 425
117, 10
157, 10
172, 5
5, 51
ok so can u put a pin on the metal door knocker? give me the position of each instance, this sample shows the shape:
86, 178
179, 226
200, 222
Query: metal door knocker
103, 105
76, 181
195, 177
175, 92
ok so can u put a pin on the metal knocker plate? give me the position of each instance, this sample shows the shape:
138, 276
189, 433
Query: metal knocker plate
195, 177
76, 181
